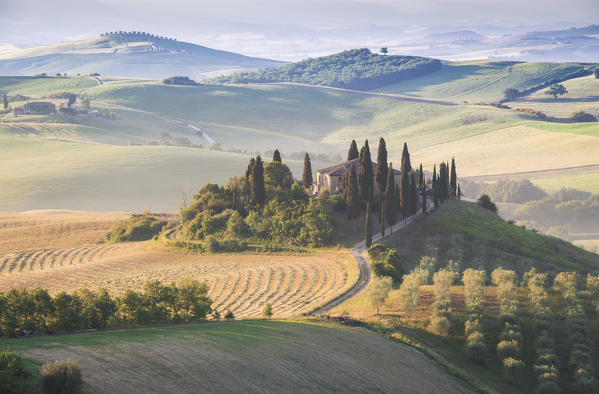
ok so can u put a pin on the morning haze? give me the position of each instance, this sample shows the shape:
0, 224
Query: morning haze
286, 196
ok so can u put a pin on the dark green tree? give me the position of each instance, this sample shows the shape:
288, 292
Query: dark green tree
368, 227
453, 180
405, 158
443, 182
353, 151
424, 207
248, 172
382, 219
556, 90
277, 156
365, 175
435, 184
404, 182
353, 195
5, 100
258, 190
459, 194
307, 174
596, 73
413, 194
390, 198
384, 50
420, 177
510, 94
380, 176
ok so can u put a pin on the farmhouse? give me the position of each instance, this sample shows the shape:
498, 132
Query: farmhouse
40, 107
330, 178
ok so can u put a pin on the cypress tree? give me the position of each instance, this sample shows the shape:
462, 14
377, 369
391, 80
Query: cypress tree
383, 220
421, 177
443, 182
380, 176
248, 172
404, 181
365, 175
413, 194
277, 156
307, 175
353, 151
258, 191
454, 179
352, 200
435, 187
5, 100
424, 207
459, 194
390, 198
368, 227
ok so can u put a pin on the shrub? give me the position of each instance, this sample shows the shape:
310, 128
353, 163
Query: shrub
229, 315
514, 369
179, 80
537, 114
61, 377
439, 325
508, 349
485, 202
581, 116
14, 378
267, 311
136, 228
409, 291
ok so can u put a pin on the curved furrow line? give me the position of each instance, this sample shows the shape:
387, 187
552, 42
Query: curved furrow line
284, 275
51, 253
36, 256
19, 260
104, 250
299, 277
4, 260
268, 285
243, 289
218, 288
297, 299
320, 278
226, 279
84, 257
94, 254
229, 290
77, 256
66, 254
252, 293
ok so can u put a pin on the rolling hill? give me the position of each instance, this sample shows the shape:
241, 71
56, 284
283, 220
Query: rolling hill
129, 55
148, 150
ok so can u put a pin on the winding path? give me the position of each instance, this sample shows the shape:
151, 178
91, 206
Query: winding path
359, 253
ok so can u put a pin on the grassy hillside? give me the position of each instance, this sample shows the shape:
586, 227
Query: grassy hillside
254, 356
247, 118
480, 81
128, 55
480, 233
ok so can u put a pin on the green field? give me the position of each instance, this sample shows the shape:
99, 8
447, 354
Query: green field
248, 356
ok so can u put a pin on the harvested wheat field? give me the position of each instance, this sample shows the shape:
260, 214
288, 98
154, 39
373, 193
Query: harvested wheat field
242, 283
244, 356
54, 229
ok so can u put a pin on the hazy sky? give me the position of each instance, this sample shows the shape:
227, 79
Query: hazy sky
245, 26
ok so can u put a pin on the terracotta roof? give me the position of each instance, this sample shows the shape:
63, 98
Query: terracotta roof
341, 168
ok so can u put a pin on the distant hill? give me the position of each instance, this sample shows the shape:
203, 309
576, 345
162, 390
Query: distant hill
357, 69
131, 55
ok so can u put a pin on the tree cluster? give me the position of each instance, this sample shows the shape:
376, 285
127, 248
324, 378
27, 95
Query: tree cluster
510, 344
386, 262
179, 80
581, 353
546, 366
136, 228
357, 69
441, 316
474, 281
23, 312
265, 205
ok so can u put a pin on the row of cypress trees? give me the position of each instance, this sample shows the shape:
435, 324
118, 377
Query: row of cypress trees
378, 191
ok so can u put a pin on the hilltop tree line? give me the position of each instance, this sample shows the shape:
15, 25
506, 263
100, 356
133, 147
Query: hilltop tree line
377, 192
135, 35
353, 69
